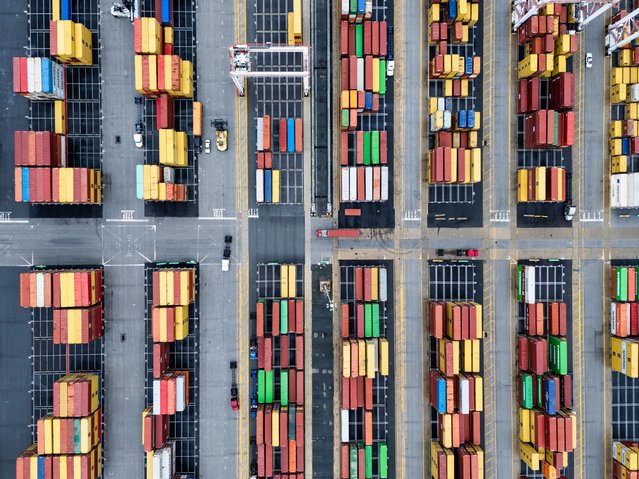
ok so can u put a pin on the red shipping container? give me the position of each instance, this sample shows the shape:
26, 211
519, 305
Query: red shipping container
282, 135
351, 40
375, 38
352, 389
292, 386
299, 352
436, 316
345, 393
299, 389
359, 320
367, 38
383, 30
522, 352
275, 318
343, 38
383, 147
299, 316
284, 351
268, 354
359, 284
345, 320
367, 284
298, 135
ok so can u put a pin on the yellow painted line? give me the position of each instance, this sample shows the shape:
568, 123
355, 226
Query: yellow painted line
402, 366
510, 94
422, 101
513, 387
581, 379
605, 340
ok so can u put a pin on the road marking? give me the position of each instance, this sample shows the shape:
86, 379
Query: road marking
253, 212
218, 218
500, 216
586, 216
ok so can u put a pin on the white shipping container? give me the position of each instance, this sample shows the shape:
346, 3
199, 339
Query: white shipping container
464, 395
352, 191
345, 182
369, 182
431, 122
30, 75
157, 464
448, 119
384, 181
383, 292
167, 473
180, 391
633, 190
169, 174
360, 74
40, 290
259, 186
613, 318
634, 92
156, 397
345, 426
441, 103
260, 134
37, 70
58, 80
615, 201
63, 149
368, 12
345, 7
529, 286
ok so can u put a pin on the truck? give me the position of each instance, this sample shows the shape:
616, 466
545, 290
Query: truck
221, 134
471, 253
226, 255
235, 403
338, 233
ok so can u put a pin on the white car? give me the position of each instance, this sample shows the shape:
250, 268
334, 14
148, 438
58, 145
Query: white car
207, 146
138, 140
390, 68
588, 60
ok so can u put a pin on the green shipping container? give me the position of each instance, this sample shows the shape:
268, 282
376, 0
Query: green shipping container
375, 147
382, 77
359, 40
368, 454
345, 118
284, 317
353, 474
622, 284
539, 398
376, 320
527, 394
77, 432
284, 388
383, 460
555, 132
558, 355
269, 387
353, 7
520, 282
367, 147
368, 325
261, 386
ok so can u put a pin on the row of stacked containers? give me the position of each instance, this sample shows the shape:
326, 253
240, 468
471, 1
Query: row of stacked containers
623, 129
289, 135
170, 419
547, 422
545, 102
454, 118
365, 167
46, 170
162, 75
624, 331
365, 370
68, 435
456, 392
277, 379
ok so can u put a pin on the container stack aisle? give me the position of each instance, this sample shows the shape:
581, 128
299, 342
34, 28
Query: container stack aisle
455, 105
456, 392
547, 422
624, 331
164, 46
365, 172
170, 421
623, 130
68, 372
277, 372
546, 120
366, 370
59, 160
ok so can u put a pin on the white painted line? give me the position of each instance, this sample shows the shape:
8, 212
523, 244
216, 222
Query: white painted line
211, 218
14, 222
412, 219
119, 220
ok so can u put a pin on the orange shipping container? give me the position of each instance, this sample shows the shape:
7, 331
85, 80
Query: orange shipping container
298, 135
267, 133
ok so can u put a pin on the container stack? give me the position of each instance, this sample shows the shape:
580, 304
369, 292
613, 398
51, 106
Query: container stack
69, 441
364, 166
548, 117
623, 129
43, 174
541, 184
363, 50
624, 320
365, 365
173, 295
267, 179
456, 389
456, 155
279, 411
547, 423
625, 460
76, 299
166, 77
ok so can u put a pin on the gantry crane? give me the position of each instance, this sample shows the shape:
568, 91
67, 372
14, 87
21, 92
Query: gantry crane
622, 31
242, 66
583, 11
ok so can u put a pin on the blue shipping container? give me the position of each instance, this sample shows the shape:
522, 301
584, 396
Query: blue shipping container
268, 198
441, 395
461, 119
166, 12
368, 101
65, 9
139, 182
551, 396
41, 467
470, 120
290, 134
625, 146
361, 7
47, 75
469, 66
452, 9
25, 185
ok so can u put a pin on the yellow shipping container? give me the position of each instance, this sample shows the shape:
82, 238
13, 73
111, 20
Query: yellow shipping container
628, 456
290, 34
530, 456
168, 35
432, 104
619, 164
540, 183
297, 20
475, 165
453, 165
162, 191
275, 431
625, 57
60, 123
434, 13
448, 88
632, 111
522, 185
446, 430
346, 359
57, 439
615, 147
361, 356
186, 79
625, 356
528, 66
616, 76
292, 281
370, 359
479, 393
634, 75
138, 73
275, 186
474, 14
618, 93
559, 65
464, 88
625, 75
615, 129
182, 147
435, 449
524, 424
383, 356
376, 75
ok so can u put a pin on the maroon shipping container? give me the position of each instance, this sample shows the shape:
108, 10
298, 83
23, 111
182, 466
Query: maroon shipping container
352, 72
268, 353
268, 453
522, 352
359, 320
292, 386
299, 393
343, 38
383, 146
351, 40
375, 39
367, 284
160, 359
353, 393
259, 425
165, 111
345, 393
359, 147
359, 284
383, 30
299, 352
299, 316
260, 352
368, 73
282, 130
268, 424
284, 351
367, 38
275, 318
566, 391
343, 144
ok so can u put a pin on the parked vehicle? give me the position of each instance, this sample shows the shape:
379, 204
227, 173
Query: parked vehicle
235, 402
390, 58
588, 60
471, 253
338, 233
226, 255
207, 146
221, 134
